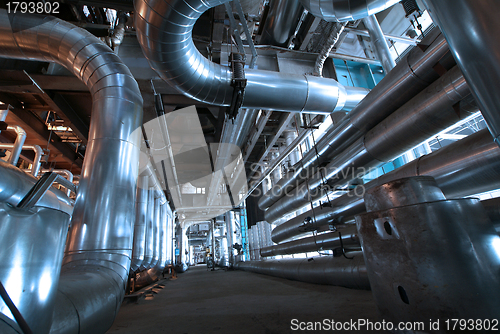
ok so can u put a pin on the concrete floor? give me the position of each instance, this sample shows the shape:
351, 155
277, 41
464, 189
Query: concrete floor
202, 301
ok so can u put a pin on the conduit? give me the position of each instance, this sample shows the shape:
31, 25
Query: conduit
350, 273
348, 237
18, 144
426, 114
164, 31
38, 155
410, 76
95, 268
463, 168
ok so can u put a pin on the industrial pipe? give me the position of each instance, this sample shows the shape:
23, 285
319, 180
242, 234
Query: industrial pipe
165, 35
410, 76
149, 244
99, 247
475, 48
426, 114
18, 144
15, 184
346, 10
379, 43
36, 161
281, 22
347, 237
141, 207
463, 168
350, 273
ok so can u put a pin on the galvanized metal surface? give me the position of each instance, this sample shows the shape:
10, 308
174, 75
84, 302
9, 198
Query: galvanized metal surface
346, 10
180, 64
350, 273
432, 260
32, 248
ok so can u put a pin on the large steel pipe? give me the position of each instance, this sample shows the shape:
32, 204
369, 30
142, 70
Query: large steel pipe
429, 112
328, 270
164, 31
149, 242
410, 76
348, 237
466, 167
475, 48
379, 43
141, 207
99, 247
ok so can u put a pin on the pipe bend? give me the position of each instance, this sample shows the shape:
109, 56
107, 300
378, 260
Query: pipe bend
164, 33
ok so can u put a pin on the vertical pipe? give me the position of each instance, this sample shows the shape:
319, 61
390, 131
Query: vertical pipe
141, 207
471, 29
379, 43
18, 144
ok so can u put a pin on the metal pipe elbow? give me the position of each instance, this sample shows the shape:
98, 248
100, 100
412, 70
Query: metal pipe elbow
345, 10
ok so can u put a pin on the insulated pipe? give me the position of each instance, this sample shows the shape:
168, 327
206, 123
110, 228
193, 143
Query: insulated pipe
149, 244
379, 43
18, 144
326, 241
281, 22
99, 247
36, 161
410, 76
15, 184
350, 273
156, 233
327, 48
492, 207
471, 28
345, 10
164, 31
426, 114
141, 207
463, 168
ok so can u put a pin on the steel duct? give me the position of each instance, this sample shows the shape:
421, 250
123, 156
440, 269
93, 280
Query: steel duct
281, 22
141, 206
426, 114
95, 268
326, 241
164, 31
329, 270
345, 10
471, 29
466, 167
410, 76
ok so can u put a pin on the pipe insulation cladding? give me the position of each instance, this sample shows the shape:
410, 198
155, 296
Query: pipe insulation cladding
99, 246
164, 31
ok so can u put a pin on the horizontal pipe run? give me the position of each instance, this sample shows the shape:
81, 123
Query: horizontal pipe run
18, 144
466, 167
327, 270
327, 241
410, 76
428, 113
